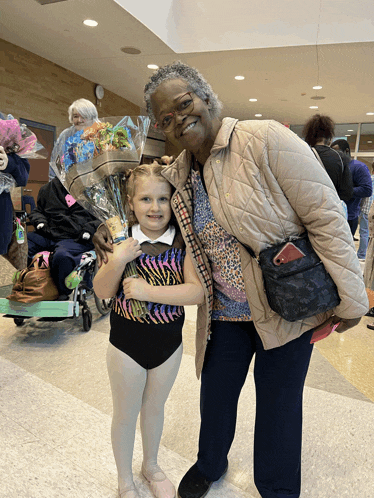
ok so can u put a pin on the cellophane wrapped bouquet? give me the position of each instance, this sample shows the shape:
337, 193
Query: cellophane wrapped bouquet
16, 138
7, 182
91, 166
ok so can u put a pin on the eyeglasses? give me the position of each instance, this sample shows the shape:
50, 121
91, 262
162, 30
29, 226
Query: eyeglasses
184, 106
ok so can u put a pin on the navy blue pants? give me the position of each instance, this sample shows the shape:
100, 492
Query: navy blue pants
279, 376
67, 255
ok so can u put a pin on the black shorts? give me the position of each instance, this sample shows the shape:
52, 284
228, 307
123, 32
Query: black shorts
150, 345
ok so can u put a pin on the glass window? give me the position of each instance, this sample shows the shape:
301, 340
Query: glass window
366, 138
347, 132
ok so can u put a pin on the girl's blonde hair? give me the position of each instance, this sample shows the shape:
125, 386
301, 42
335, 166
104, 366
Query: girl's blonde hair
142, 171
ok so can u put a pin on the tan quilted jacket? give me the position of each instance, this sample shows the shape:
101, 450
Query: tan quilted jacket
264, 185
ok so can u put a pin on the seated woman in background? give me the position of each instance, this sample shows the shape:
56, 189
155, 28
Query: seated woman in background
62, 226
82, 113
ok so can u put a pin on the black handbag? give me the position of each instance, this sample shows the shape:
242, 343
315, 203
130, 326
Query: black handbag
300, 288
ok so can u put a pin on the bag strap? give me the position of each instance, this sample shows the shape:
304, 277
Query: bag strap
341, 160
318, 158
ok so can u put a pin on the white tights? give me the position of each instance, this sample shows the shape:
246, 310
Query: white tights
134, 390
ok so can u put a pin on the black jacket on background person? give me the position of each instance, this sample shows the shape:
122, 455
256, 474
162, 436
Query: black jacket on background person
337, 167
19, 169
61, 220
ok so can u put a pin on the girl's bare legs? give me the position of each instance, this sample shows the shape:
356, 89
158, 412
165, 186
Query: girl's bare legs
160, 380
127, 380
135, 389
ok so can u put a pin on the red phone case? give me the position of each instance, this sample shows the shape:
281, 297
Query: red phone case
288, 253
326, 331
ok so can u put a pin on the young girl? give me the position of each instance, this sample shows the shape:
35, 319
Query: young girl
144, 354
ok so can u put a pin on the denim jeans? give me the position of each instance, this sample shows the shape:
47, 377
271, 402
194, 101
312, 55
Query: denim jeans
364, 235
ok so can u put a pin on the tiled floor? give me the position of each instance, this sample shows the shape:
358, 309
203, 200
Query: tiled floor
55, 414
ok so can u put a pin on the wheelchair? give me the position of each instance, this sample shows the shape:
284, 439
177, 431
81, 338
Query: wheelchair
60, 310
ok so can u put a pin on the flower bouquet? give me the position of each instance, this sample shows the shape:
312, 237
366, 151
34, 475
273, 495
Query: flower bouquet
16, 138
91, 166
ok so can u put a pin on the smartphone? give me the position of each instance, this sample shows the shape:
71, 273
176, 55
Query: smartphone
288, 253
324, 332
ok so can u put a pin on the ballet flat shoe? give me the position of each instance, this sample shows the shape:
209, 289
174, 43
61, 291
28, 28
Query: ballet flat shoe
160, 489
128, 493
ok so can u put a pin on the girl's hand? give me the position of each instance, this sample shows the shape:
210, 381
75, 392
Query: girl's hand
136, 288
127, 250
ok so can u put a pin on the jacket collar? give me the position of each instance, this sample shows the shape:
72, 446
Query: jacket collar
177, 173
224, 134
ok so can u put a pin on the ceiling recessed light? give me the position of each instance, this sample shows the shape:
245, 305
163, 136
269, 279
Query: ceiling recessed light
239, 77
152, 66
313, 107
370, 114
350, 130
252, 100
131, 50
348, 135
258, 115
370, 141
90, 22
317, 87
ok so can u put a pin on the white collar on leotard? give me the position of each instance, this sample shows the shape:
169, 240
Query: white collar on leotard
166, 238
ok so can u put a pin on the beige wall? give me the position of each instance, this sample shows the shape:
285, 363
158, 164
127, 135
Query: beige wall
39, 90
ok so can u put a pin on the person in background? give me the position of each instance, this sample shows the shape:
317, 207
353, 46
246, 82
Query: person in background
82, 113
362, 186
363, 220
19, 169
369, 260
318, 131
62, 226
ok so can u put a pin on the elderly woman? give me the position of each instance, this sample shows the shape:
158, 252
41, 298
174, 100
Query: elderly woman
251, 183
82, 113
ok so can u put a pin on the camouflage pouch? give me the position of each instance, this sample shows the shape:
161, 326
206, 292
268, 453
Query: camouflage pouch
300, 288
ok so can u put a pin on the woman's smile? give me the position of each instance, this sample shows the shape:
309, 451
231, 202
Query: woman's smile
189, 127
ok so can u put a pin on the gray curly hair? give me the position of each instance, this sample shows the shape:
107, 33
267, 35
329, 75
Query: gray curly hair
195, 80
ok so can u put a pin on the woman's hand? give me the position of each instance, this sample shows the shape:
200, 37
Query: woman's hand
3, 159
127, 250
345, 323
136, 288
103, 243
